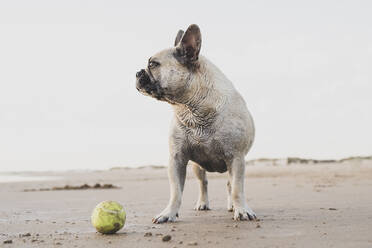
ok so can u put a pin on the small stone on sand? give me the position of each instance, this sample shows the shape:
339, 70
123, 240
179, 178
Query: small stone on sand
192, 243
166, 238
26, 235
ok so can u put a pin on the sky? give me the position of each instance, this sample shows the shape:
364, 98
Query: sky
67, 77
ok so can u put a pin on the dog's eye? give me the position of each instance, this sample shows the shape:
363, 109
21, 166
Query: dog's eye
153, 64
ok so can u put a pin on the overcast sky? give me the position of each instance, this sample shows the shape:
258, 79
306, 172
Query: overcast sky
67, 77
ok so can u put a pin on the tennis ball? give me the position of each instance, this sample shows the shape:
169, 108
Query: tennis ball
108, 217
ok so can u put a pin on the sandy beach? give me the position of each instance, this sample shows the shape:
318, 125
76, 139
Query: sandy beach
298, 205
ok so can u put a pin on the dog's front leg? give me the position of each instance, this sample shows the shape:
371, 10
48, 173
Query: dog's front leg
236, 175
177, 175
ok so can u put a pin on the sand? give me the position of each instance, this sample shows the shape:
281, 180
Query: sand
322, 205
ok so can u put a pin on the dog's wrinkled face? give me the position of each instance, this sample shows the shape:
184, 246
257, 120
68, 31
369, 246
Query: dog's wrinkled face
168, 72
164, 78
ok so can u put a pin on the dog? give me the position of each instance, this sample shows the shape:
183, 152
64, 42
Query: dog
212, 127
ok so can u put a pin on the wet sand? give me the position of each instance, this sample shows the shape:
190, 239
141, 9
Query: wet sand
322, 205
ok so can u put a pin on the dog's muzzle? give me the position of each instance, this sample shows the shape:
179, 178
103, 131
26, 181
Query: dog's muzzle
144, 84
143, 80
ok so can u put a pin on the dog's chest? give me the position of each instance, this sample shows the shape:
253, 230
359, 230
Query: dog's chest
198, 128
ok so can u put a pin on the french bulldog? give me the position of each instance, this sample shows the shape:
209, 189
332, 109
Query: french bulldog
212, 127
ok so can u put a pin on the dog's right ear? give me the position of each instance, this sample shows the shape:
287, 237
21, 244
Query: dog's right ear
178, 37
188, 47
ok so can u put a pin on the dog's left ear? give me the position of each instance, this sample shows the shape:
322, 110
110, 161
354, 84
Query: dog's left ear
178, 37
189, 46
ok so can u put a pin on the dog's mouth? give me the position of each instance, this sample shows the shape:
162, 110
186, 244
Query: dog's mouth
149, 87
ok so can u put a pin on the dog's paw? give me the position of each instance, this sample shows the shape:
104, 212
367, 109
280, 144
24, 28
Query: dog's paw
164, 216
244, 213
230, 206
202, 206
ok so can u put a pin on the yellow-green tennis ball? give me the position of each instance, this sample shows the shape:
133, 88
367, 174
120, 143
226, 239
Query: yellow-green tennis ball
108, 217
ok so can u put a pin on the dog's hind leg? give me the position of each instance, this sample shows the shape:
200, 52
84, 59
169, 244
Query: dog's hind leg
230, 206
203, 203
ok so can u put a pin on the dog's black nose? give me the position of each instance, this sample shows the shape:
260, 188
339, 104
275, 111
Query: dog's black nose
140, 73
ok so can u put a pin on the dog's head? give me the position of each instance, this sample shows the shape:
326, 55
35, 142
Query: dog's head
168, 72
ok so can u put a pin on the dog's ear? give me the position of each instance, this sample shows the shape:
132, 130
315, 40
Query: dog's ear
189, 47
178, 37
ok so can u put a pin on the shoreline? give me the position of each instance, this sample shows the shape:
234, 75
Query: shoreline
252, 162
